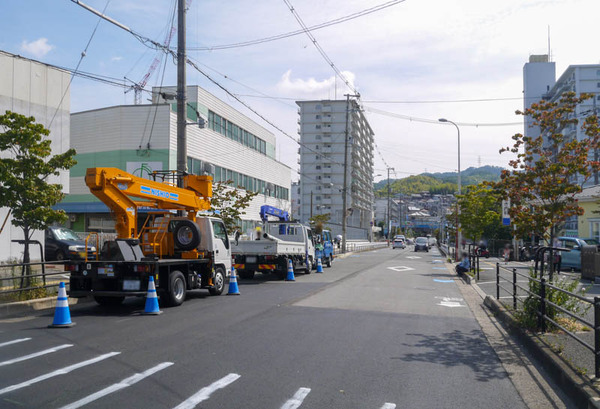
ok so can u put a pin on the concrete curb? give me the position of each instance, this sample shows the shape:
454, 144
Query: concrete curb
20, 308
579, 388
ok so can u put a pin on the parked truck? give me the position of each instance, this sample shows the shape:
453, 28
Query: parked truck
324, 247
272, 246
180, 249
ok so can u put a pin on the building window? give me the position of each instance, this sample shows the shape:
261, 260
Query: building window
318, 167
318, 107
317, 136
317, 126
595, 229
317, 116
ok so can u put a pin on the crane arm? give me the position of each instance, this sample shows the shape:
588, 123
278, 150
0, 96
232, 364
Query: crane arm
118, 189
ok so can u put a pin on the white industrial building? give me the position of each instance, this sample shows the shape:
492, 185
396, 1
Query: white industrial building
329, 129
35, 89
143, 138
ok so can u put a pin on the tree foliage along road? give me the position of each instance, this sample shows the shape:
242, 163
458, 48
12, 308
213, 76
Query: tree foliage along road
229, 203
24, 175
549, 170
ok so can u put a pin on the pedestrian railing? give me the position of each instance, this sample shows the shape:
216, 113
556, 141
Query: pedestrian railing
20, 281
545, 301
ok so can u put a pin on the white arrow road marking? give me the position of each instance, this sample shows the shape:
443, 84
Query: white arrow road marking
16, 341
117, 386
62, 371
297, 399
389, 406
413, 257
400, 268
204, 393
35, 355
450, 302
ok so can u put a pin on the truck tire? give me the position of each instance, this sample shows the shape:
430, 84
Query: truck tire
108, 301
176, 290
246, 274
218, 282
309, 266
186, 235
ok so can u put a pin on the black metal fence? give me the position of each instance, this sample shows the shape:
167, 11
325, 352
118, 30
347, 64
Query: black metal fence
541, 288
19, 281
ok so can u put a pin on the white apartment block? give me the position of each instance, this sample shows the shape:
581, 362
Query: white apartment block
35, 89
143, 138
328, 129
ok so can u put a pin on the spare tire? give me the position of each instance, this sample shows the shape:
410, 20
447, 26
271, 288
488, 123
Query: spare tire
186, 235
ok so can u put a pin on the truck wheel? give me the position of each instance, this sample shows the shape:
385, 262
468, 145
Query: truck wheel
108, 301
309, 266
328, 261
59, 256
218, 282
176, 290
186, 235
246, 274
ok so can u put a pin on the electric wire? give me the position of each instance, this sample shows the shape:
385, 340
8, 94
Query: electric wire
83, 54
298, 32
319, 48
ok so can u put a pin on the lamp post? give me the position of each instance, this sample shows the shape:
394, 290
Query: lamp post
458, 235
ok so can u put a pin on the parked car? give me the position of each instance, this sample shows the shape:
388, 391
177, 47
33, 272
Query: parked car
572, 259
398, 244
421, 244
64, 244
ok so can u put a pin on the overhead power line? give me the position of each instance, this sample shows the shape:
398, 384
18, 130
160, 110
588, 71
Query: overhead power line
298, 32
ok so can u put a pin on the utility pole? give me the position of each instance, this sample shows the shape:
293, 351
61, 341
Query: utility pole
345, 188
389, 220
181, 89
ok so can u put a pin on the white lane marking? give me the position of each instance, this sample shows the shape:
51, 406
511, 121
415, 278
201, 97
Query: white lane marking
118, 386
450, 302
205, 393
413, 257
297, 399
35, 355
15, 341
400, 268
389, 406
62, 371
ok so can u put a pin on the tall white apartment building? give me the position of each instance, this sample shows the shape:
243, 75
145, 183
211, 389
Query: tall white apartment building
329, 130
32, 88
143, 138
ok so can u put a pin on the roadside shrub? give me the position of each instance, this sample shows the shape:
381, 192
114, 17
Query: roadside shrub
528, 316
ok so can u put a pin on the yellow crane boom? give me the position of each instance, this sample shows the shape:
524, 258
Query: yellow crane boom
125, 193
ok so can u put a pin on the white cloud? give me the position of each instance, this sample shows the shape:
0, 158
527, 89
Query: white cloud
118, 58
311, 87
37, 48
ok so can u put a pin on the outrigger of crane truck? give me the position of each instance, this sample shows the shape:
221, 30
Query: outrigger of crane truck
159, 234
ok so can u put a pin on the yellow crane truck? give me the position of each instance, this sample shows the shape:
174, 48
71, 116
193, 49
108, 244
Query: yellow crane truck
180, 249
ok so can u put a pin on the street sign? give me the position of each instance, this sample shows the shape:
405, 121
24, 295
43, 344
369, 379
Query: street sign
505, 214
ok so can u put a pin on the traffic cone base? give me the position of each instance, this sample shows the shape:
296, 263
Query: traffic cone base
290, 272
319, 265
233, 285
62, 316
151, 300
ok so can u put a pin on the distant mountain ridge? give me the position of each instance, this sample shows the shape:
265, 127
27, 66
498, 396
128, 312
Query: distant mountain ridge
438, 183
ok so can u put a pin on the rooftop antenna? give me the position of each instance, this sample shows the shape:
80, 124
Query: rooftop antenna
549, 49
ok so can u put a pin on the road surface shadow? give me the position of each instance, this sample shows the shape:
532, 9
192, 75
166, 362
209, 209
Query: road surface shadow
457, 348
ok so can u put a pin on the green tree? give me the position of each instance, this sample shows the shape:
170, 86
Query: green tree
549, 170
24, 174
318, 222
229, 203
479, 212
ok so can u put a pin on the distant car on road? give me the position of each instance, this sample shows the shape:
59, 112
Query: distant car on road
421, 244
398, 244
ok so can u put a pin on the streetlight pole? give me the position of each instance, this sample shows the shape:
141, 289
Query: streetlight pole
389, 220
458, 235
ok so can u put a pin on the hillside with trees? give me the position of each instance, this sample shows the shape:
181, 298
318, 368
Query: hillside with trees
438, 183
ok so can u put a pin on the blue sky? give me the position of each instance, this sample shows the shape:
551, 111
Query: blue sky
411, 53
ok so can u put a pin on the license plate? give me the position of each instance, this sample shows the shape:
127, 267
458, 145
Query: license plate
251, 259
131, 285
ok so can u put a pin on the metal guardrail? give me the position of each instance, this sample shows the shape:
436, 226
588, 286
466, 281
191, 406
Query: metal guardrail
545, 302
14, 278
359, 247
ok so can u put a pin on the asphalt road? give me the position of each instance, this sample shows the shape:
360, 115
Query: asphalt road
381, 329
